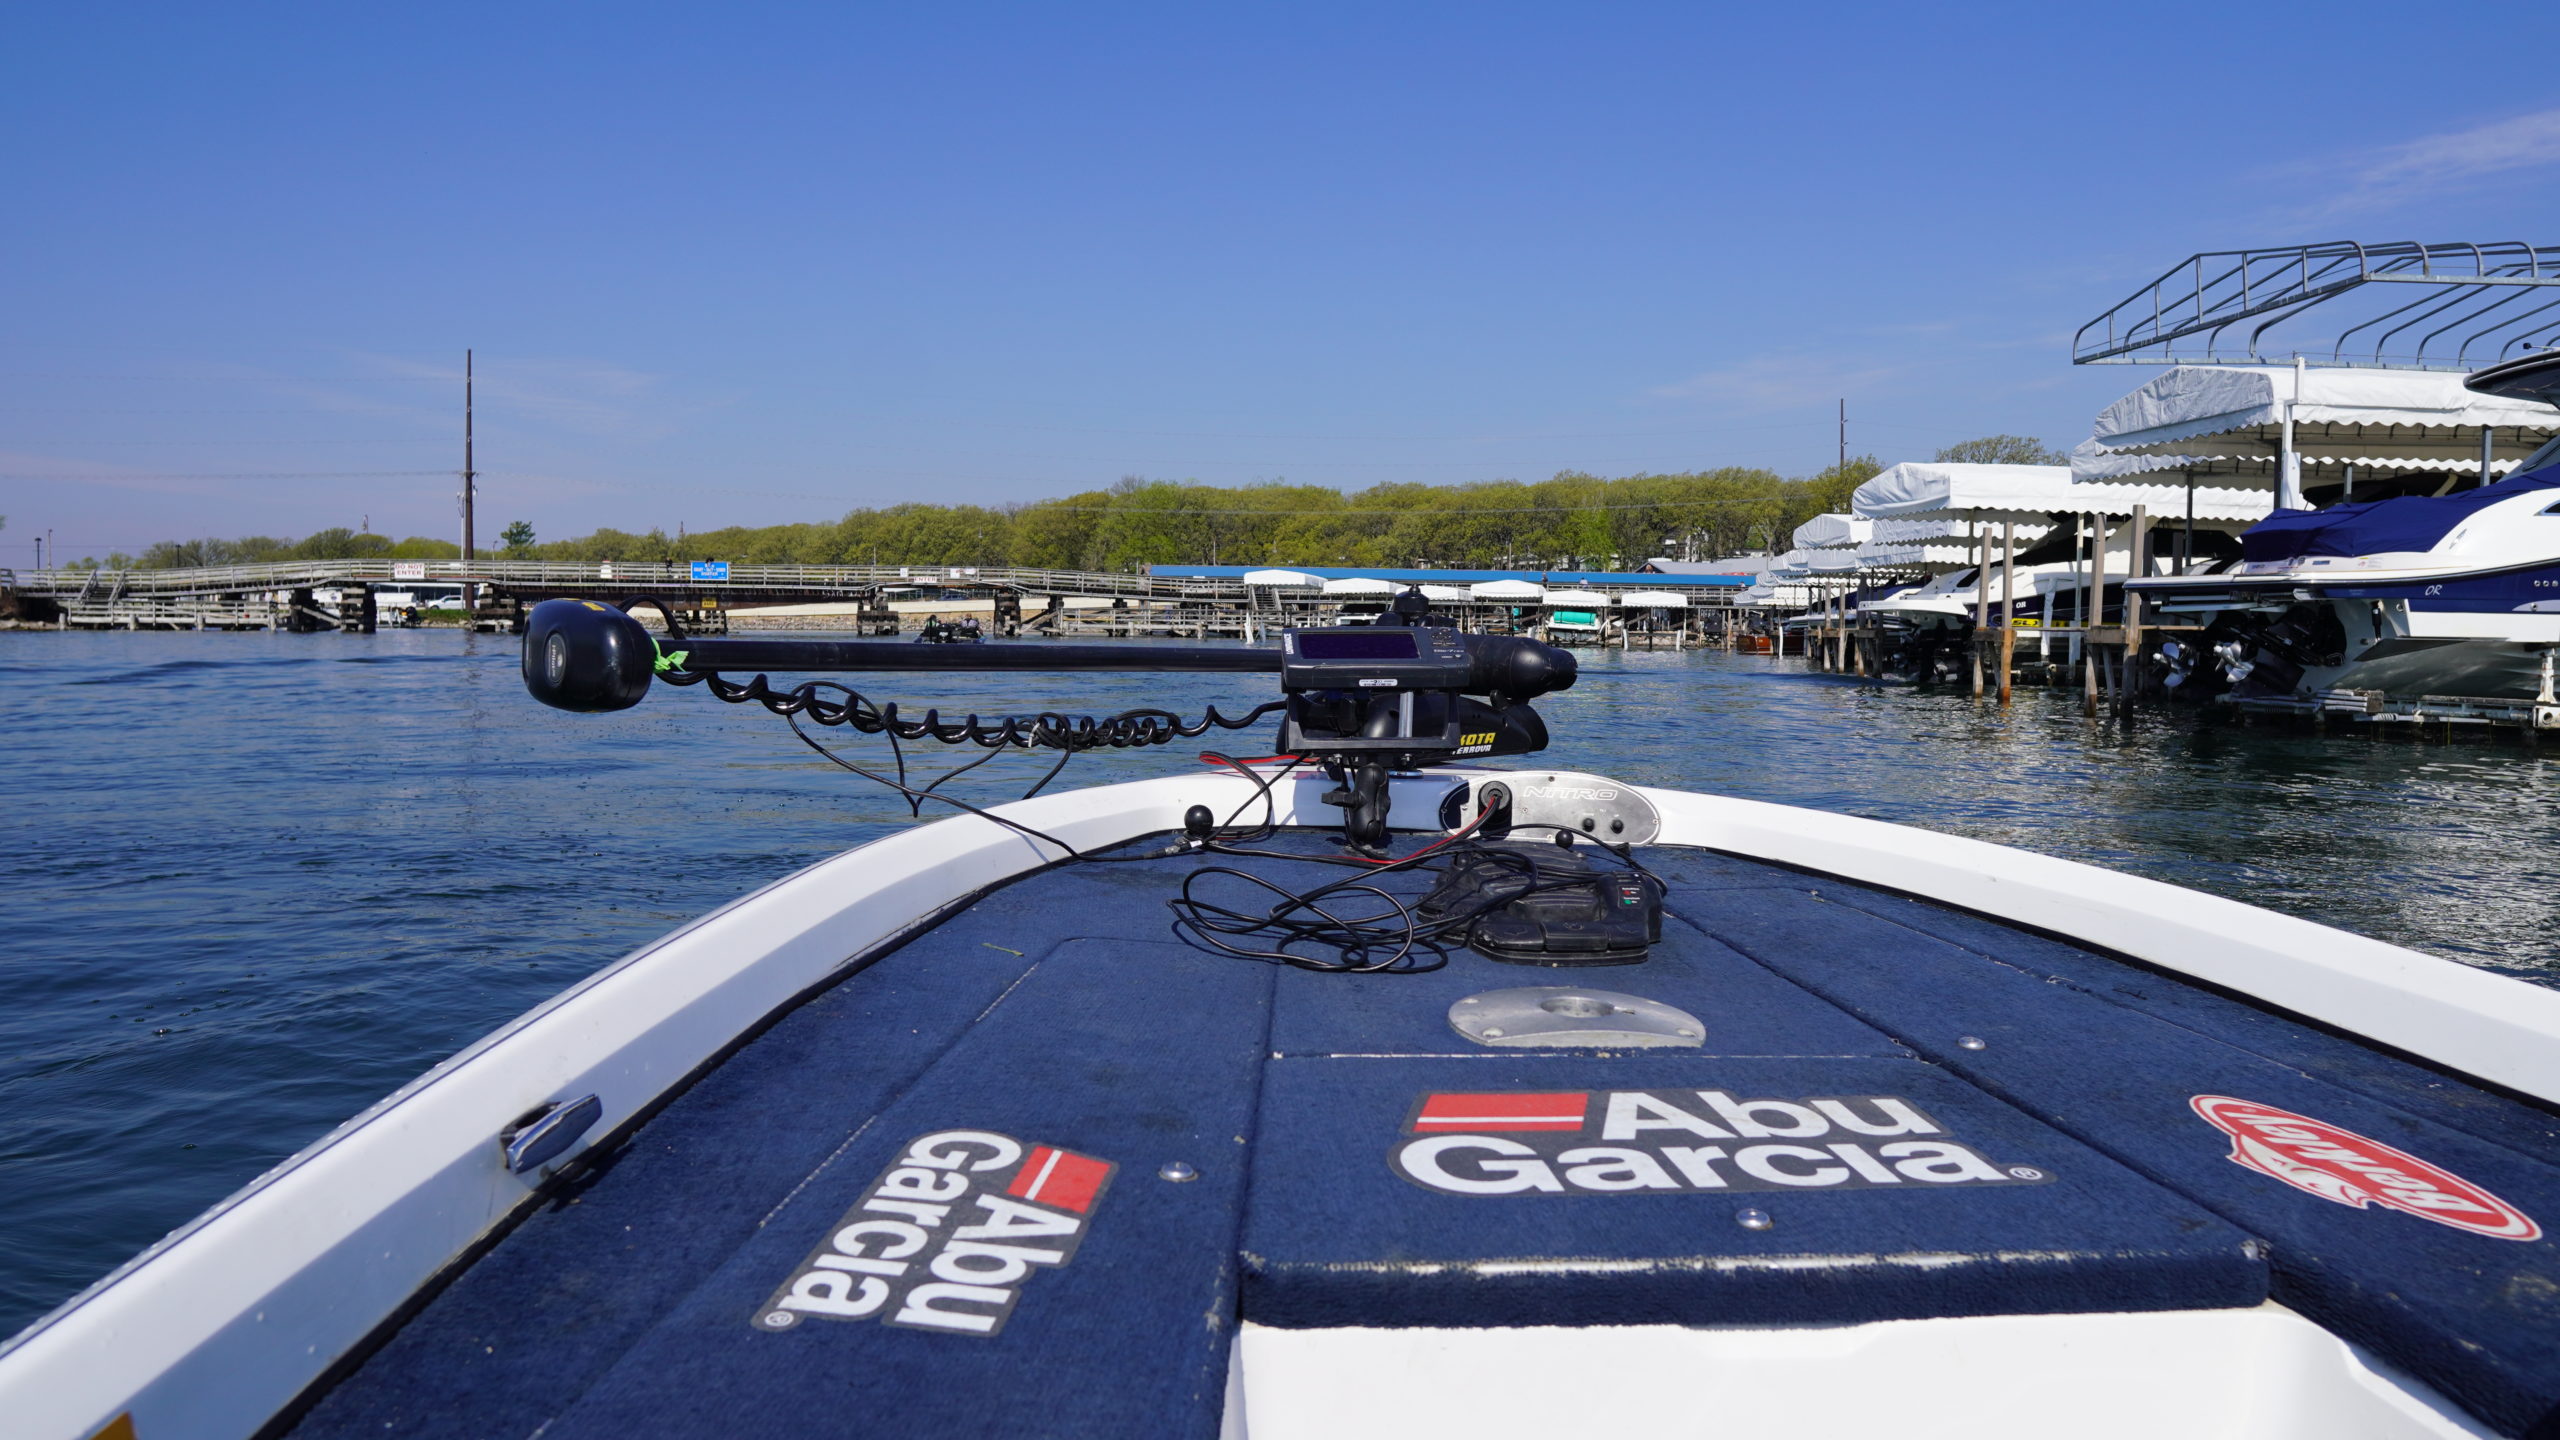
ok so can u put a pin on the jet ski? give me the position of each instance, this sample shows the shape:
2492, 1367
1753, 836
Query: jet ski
1366, 1087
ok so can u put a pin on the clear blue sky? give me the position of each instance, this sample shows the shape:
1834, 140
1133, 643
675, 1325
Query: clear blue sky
742, 264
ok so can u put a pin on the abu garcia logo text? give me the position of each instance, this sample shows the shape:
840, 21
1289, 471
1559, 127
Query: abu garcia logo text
1542, 1142
946, 1236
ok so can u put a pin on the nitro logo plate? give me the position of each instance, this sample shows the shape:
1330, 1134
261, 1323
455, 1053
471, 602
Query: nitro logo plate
2346, 1168
1588, 1142
947, 1236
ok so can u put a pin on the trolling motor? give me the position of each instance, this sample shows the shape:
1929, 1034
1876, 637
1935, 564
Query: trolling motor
1359, 701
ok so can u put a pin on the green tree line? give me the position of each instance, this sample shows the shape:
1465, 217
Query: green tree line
1573, 521
337, 543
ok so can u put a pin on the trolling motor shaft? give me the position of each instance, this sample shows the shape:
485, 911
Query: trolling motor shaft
587, 656
1361, 701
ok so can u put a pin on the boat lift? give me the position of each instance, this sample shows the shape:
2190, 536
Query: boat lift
2475, 304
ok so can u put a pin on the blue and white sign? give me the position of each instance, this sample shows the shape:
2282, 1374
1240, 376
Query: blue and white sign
710, 569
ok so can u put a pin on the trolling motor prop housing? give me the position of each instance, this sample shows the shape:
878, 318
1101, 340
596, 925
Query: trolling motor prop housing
580, 655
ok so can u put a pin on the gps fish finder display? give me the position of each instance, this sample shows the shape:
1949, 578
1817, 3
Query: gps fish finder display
1359, 644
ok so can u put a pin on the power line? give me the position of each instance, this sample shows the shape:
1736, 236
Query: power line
245, 475
369, 440
155, 410
242, 379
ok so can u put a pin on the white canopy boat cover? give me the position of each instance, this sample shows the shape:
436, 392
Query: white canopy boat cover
1940, 544
1359, 585
1506, 590
1282, 579
2354, 414
1654, 600
1827, 532
2232, 475
1793, 565
1776, 595
1913, 555
1832, 562
1947, 528
1577, 599
1453, 594
1997, 494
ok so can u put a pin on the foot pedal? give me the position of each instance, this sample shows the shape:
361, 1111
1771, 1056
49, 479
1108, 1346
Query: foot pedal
1543, 904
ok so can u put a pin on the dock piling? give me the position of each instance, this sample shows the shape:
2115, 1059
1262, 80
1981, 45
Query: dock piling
2008, 605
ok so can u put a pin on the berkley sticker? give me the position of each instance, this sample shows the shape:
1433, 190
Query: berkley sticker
2347, 1168
1559, 1142
946, 1237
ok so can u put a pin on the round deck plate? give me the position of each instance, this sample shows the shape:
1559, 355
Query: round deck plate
1573, 1017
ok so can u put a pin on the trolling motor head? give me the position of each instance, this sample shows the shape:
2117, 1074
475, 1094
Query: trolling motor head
582, 655
1401, 693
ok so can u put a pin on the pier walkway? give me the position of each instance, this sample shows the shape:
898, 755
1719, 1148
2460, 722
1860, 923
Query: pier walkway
328, 593
355, 595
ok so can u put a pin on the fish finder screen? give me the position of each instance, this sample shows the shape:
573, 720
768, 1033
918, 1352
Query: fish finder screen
1360, 644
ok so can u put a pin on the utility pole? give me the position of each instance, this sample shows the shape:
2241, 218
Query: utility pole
468, 475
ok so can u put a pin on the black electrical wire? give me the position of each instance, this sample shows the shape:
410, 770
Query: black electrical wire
1128, 730
1391, 938
1386, 936
1069, 735
1625, 852
1262, 784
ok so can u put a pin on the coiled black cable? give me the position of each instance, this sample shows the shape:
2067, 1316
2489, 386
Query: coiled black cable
1069, 735
1047, 730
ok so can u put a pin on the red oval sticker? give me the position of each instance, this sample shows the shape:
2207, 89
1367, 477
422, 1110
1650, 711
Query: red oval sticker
2345, 1167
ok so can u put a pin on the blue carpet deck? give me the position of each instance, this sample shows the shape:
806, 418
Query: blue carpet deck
2057, 1166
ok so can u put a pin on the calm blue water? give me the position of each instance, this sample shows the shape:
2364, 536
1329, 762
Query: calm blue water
255, 882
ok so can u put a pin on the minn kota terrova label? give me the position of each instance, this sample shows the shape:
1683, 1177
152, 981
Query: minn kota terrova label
1599, 1142
948, 1235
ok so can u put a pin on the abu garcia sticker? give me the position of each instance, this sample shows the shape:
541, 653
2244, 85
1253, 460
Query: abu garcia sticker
946, 1237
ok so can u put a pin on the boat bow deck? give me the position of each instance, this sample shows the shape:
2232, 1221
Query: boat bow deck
1198, 1140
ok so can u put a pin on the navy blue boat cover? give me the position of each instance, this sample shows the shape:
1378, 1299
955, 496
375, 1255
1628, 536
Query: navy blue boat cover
2381, 527
1027, 1174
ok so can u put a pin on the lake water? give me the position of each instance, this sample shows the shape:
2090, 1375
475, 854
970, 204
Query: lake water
258, 881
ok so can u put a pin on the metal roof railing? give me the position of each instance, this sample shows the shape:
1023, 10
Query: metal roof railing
2481, 302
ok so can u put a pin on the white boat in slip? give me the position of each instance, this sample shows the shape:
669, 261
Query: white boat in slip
2443, 605
1328, 1095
